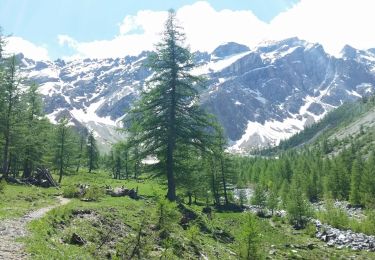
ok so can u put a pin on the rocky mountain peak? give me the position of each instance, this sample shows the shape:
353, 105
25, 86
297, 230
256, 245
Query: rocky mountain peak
260, 96
229, 49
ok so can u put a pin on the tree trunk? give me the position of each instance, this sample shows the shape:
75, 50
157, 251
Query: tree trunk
171, 195
5, 156
190, 198
80, 153
126, 166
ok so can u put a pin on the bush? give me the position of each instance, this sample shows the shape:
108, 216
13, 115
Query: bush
94, 193
168, 215
70, 192
366, 226
249, 242
310, 229
335, 217
298, 208
193, 233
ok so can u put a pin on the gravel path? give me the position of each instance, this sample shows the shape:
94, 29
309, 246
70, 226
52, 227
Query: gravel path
13, 229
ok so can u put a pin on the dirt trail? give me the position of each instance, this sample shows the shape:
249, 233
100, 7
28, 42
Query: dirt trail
12, 229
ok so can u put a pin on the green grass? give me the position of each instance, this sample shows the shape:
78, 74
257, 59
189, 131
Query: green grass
110, 227
17, 200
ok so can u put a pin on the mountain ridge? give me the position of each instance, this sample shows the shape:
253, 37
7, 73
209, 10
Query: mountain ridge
260, 95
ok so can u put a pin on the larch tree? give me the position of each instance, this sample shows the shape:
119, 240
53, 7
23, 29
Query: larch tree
355, 182
64, 147
82, 143
168, 114
92, 152
35, 130
10, 89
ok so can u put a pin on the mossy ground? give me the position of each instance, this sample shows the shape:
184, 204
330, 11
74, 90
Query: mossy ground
111, 225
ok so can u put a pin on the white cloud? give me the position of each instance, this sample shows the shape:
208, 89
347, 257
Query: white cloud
66, 39
15, 45
333, 23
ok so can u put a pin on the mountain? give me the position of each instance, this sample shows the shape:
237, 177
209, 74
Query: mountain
350, 125
260, 96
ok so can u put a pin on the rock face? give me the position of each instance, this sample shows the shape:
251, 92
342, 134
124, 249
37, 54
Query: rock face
260, 96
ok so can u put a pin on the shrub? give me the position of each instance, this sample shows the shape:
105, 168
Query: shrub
298, 208
94, 193
366, 226
249, 239
167, 215
70, 192
310, 229
336, 217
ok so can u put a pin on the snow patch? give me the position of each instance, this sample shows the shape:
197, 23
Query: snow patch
89, 115
271, 132
218, 65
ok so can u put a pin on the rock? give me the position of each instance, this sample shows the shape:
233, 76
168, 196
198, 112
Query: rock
311, 246
272, 252
77, 240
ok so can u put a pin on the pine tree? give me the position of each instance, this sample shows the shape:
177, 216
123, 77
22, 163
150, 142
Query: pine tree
355, 184
298, 207
168, 113
225, 164
11, 92
272, 199
249, 239
92, 152
35, 131
368, 183
64, 147
259, 197
82, 143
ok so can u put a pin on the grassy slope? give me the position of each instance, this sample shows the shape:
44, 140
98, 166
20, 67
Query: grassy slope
17, 200
111, 225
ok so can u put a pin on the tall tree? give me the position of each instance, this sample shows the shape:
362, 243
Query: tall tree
11, 91
355, 182
225, 163
92, 152
35, 130
64, 147
168, 113
368, 182
82, 143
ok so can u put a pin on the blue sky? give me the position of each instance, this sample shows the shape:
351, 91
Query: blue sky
111, 28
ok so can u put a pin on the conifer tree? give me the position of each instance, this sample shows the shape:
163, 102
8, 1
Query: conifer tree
298, 207
272, 199
355, 184
35, 132
64, 147
368, 183
11, 91
259, 197
92, 152
168, 113
82, 144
